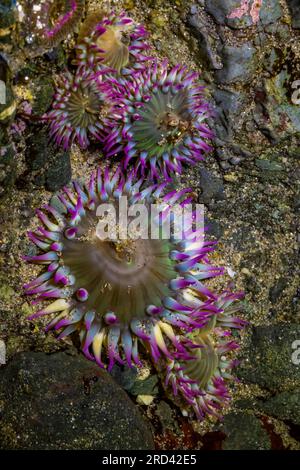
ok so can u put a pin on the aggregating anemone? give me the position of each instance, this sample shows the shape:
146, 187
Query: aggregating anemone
127, 297
115, 41
82, 108
163, 124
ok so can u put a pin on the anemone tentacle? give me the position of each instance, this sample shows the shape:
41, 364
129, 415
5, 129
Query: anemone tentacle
163, 121
115, 41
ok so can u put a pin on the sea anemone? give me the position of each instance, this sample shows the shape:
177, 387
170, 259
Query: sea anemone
49, 22
82, 108
123, 294
163, 120
199, 385
115, 41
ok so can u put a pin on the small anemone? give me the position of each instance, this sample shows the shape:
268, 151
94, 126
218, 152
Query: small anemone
82, 108
49, 22
199, 385
163, 125
115, 41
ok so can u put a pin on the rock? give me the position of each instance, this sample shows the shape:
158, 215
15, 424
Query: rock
211, 186
239, 63
8, 167
274, 113
294, 6
244, 432
147, 386
207, 40
7, 99
228, 107
63, 402
49, 165
285, 406
7, 18
267, 361
277, 289
124, 376
270, 12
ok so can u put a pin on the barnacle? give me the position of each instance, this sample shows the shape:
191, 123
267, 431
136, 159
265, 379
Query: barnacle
163, 123
122, 294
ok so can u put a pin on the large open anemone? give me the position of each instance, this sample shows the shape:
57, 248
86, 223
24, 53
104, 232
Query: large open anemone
48, 22
163, 125
123, 296
82, 108
117, 42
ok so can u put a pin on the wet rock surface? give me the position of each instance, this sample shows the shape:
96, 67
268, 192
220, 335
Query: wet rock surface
63, 402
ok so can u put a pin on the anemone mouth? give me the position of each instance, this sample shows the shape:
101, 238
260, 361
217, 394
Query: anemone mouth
84, 106
164, 123
121, 276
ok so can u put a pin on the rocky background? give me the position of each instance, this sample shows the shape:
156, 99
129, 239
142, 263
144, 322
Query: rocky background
249, 186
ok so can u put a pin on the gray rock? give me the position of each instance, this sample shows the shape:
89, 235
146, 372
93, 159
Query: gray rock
48, 166
244, 432
277, 289
270, 12
267, 361
207, 40
238, 63
285, 406
61, 402
147, 386
211, 186
228, 107
294, 6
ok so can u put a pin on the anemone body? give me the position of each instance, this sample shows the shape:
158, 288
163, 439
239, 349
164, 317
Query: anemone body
49, 22
81, 109
116, 42
163, 121
126, 295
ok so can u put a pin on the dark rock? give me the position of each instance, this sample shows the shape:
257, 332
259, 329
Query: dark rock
7, 99
244, 432
277, 289
239, 63
207, 40
285, 406
7, 14
211, 186
294, 6
228, 107
8, 164
268, 358
48, 165
147, 386
61, 402
124, 376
